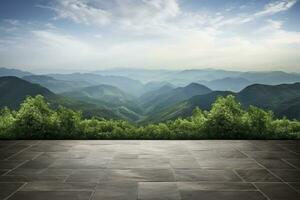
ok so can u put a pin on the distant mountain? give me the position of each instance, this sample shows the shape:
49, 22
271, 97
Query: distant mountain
105, 93
13, 72
155, 85
57, 86
283, 99
128, 85
234, 84
143, 75
271, 78
171, 97
14, 90
196, 75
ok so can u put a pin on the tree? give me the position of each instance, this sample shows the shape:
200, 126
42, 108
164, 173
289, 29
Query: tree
33, 120
258, 122
225, 118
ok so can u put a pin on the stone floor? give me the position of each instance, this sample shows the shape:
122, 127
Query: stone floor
167, 170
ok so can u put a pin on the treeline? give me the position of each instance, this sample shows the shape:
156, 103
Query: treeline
226, 120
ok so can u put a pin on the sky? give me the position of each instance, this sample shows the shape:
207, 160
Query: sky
62, 35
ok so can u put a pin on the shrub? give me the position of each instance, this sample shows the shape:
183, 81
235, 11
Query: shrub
226, 120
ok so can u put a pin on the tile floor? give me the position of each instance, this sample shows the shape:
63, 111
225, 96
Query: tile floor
150, 170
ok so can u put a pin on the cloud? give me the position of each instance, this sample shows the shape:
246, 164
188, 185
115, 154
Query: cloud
124, 12
276, 7
80, 12
269, 9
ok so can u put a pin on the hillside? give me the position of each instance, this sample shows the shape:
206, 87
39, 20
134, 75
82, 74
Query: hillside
173, 96
106, 93
268, 96
14, 90
283, 100
109, 96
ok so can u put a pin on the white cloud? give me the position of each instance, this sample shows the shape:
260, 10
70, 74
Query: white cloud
122, 12
276, 7
80, 11
269, 9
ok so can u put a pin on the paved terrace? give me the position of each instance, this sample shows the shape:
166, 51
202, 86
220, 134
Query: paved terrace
167, 170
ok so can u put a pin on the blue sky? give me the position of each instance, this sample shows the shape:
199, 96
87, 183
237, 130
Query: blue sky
51, 35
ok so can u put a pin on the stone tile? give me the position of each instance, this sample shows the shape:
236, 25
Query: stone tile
41, 162
288, 175
88, 176
9, 164
141, 175
54, 186
292, 147
195, 186
271, 155
3, 171
218, 154
158, 191
264, 145
67, 155
206, 175
7, 189
46, 147
278, 191
25, 156
257, 175
51, 195
294, 162
116, 191
79, 164
31, 178
56, 172
139, 163
24, 172
183, 162
221, 195
296, 186
274, 164
229, 164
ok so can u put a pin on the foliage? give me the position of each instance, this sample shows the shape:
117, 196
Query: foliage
226, 120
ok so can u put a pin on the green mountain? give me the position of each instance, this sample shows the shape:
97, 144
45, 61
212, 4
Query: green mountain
165, 99
283, 99
268, 96
103, 93
13, 72
15, 90
111, 97
57, 86
150, 96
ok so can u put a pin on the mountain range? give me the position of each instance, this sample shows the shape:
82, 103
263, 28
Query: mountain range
137, 96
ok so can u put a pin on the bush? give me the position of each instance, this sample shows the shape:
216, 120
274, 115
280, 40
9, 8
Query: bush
226, 120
